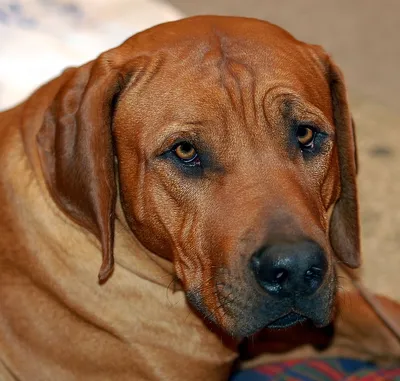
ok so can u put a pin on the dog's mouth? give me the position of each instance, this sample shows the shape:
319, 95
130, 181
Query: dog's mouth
287, 321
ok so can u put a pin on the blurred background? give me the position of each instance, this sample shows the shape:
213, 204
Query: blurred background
38, 38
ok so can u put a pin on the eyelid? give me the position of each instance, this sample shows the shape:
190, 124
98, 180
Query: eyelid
173, 140
317, 122
177, 143
318, 129
307, 124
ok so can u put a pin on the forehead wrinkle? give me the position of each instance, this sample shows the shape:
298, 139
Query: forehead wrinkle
239, 85
234, 82
271, 106
282, 103
303, 110
237, 79
246, 97
228, 75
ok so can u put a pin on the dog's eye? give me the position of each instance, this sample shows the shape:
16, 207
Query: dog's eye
185, 152
306, 137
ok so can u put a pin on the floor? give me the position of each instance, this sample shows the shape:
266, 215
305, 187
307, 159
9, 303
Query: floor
363, 36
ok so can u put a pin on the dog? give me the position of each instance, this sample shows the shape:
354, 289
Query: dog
214, 158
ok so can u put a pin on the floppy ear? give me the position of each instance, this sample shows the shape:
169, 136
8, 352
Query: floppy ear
76, 149
344, 225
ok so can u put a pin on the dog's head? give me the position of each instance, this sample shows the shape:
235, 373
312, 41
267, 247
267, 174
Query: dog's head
235, 160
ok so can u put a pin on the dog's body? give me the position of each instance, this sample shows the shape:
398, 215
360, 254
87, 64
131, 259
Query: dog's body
60, 211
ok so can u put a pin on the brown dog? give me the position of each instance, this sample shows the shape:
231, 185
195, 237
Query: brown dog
214, 153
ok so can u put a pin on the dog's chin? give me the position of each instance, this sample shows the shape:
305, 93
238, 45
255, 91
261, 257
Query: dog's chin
250, 327
286, 321
239, 323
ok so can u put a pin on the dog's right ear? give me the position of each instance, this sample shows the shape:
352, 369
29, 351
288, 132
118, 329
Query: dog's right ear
76, 148
344, 224
344, 230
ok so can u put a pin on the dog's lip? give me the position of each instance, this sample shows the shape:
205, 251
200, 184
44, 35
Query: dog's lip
287, 320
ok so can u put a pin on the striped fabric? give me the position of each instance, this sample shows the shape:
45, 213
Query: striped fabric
339, 369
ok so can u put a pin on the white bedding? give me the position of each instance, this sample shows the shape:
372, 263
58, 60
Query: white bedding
39, 38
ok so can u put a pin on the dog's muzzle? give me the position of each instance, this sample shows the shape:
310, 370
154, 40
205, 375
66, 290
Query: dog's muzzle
291, 274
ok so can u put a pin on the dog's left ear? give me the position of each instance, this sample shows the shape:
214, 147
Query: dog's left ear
75, 145
344, 225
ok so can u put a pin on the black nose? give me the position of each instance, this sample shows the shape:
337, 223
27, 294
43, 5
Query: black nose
287, 269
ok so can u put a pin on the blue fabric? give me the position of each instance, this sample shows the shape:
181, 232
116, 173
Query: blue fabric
334, 369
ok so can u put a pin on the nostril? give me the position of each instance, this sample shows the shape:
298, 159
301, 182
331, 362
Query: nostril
313, 278
280, 276
313, 271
